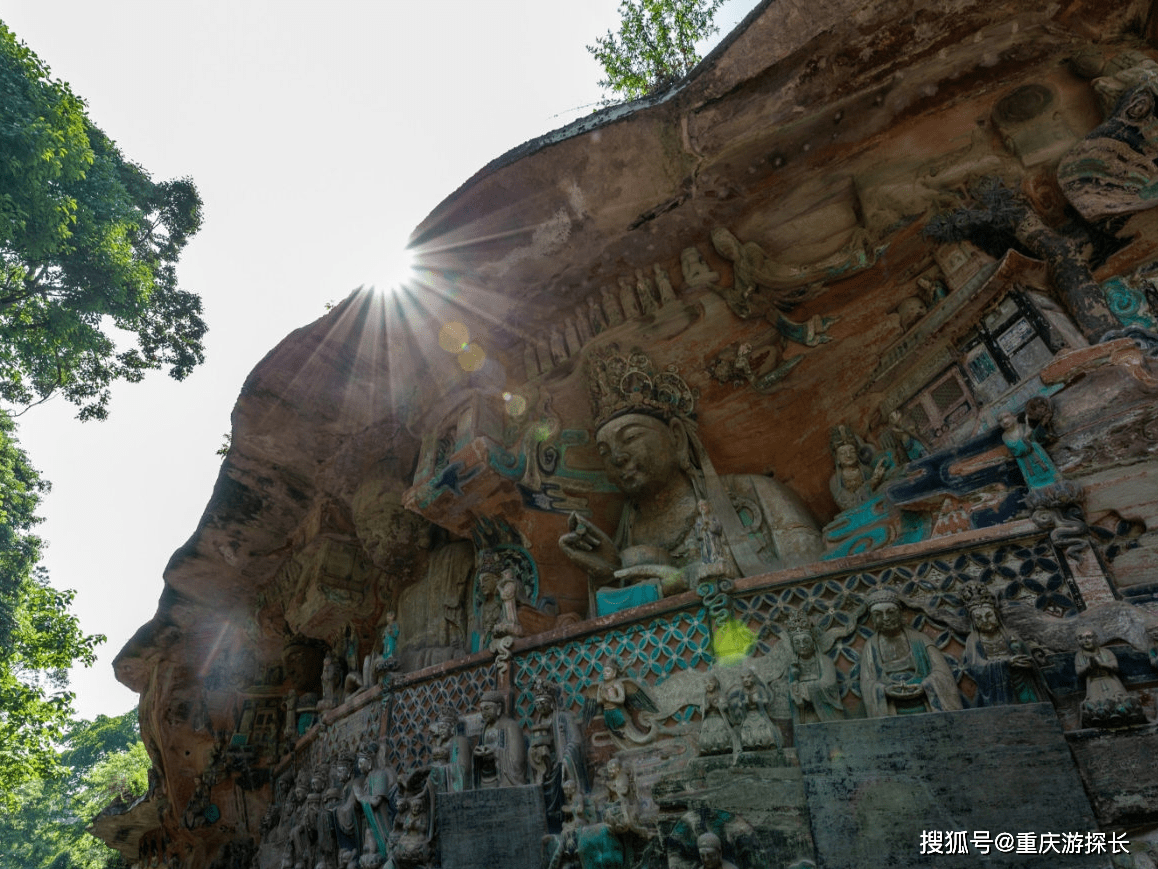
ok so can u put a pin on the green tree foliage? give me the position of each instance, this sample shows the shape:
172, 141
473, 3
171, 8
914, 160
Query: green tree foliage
46, 827
655, 46
39, 638
88, 249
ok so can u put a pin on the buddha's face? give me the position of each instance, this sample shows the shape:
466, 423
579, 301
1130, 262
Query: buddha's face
885, 618
803, 645
639, 454
1087, 640
985, 618
709, 848
846, 456
489, 711
544, 705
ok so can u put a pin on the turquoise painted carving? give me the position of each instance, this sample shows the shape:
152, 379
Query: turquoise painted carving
873, 525
1127, 301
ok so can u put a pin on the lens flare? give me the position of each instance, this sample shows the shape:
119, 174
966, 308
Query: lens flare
454, 337
472, 358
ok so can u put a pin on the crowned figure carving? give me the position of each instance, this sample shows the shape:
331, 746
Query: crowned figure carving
647, 437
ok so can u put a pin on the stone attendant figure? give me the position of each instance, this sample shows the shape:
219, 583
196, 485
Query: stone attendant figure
508, 624
812, 683
651, 453
995, 658
331, 682
557, 742
752, 704
625, 704
375, 791
854, 481
499, 758
1107, 702
901, 670
1032, 460
716, 731
712, 852
347, 810
387, 660
449, 753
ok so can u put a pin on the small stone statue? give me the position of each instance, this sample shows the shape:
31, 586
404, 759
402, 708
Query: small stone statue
646, 290
508, 589
1032, 460
1107, 703
697, 273
712, 852
449, 753
710, 533
411, 841
611, 307
499, 757
624, 703
717, 736
812, 681
375, 790
854, 482
900, 667
663, 285
751, 704
388, 661
911, 311
331, 680
622, 809
557, 749
995, 658
902, 437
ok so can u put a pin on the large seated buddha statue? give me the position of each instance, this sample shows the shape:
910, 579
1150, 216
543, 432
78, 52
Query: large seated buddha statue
651, 451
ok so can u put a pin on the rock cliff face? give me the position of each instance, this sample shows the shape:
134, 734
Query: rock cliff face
860, 315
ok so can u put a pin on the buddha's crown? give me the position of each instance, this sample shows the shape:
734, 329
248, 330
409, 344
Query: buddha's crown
622, 384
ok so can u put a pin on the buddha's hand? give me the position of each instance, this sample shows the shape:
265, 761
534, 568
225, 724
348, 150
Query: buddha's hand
589, 548
671, 579
903, 690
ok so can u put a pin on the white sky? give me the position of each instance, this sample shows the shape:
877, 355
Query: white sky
319, 135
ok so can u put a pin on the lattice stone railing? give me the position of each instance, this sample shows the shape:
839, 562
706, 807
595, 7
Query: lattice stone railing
673, 635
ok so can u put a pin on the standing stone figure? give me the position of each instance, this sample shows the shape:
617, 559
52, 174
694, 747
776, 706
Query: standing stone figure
449, 753
995, 658
1032, 460
901, 670
375, 791
499, 758
812, 681
557, 744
